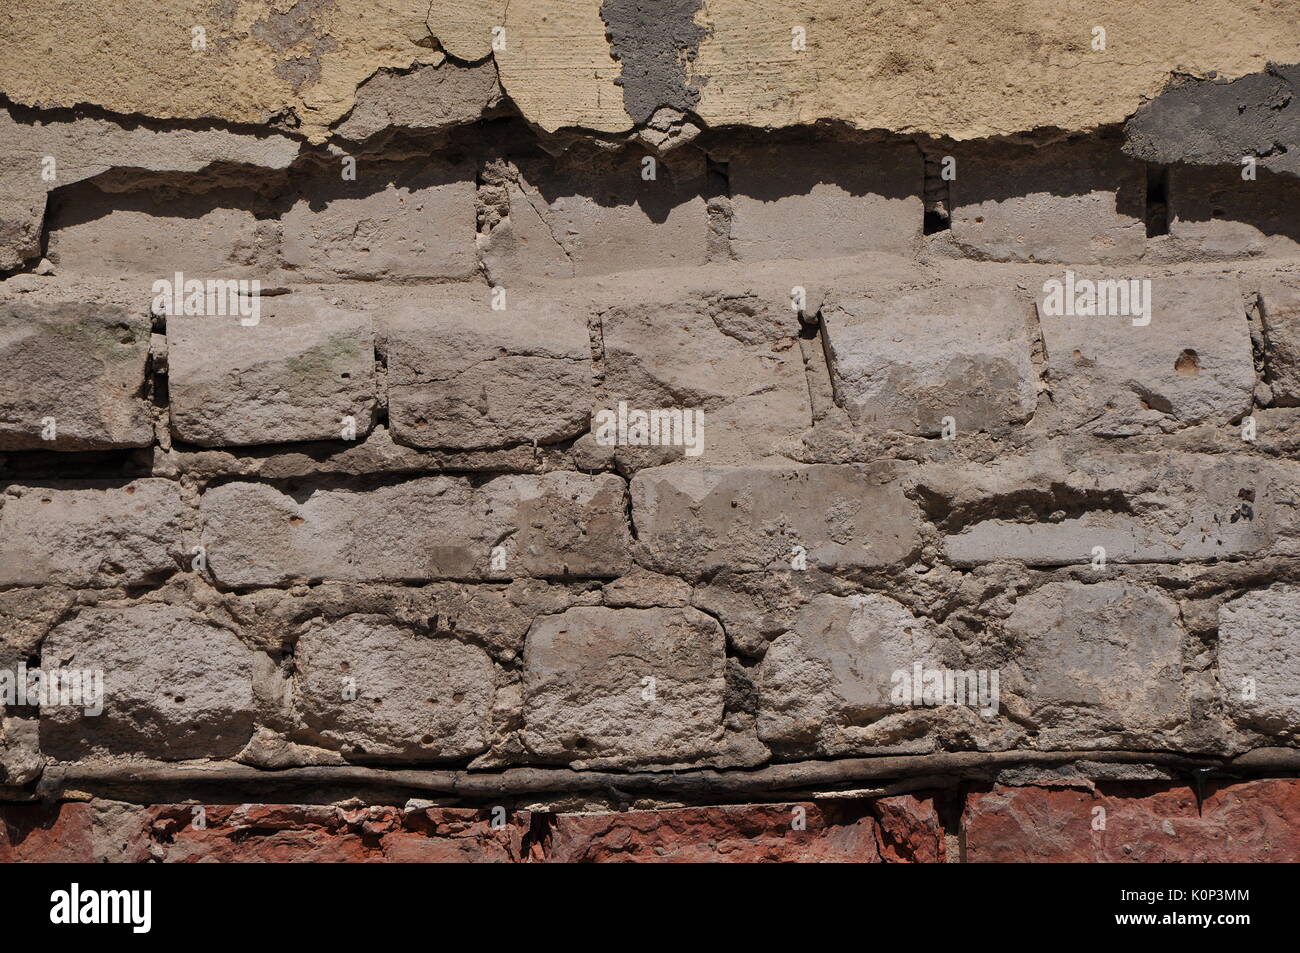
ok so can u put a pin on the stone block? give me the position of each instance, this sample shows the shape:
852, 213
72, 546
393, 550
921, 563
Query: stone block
606, 687
463, 376
75, 371
127, 535
175, 685
906, 362
554, 525
375, 690
295, 375
696, 520
1081, 202
403, 224
825, 200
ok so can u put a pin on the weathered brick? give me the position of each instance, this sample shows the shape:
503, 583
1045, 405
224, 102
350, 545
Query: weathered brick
293, 376
909, 830
906, 362
375, 690
46, 833
21, 761
556, 524
117, 535
694, 520
1191, 364
176, 685
1078, 201
73, 833
1214, 212
623, 686
823, 684
594, 214
1280, 311
823, 200
291, 833
407, 223
1253, 821
79, 363
1159, 507
145, 233
464, 376
1098, 659
1259, 660
732, 355
741, 833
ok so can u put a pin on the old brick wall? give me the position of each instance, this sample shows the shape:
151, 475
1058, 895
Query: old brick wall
365, 579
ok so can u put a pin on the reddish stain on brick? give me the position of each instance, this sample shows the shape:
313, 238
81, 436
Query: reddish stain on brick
1249, 821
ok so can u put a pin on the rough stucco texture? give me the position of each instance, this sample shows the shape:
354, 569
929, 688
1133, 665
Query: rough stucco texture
965, 68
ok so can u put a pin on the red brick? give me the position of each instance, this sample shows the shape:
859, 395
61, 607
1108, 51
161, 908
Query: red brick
291, 833
72, 832
39, 833
909, 830
737, 834
1249, 821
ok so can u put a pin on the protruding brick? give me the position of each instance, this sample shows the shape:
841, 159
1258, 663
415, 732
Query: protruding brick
824, 200
127, 535
464, 376
733, 357
74, 373
176, 685
1098, 659
1191, 364
1259, 659
295, 375
376, 690
556, 524
695, 520
1078, 201
1280, 310
907, 362
623, 686
73, 833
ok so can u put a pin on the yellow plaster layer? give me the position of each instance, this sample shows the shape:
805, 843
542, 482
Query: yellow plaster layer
965, 68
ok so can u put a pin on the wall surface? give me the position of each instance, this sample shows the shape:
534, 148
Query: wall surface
967, 528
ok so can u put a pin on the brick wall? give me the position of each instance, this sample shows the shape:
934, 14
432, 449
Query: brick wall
367, 546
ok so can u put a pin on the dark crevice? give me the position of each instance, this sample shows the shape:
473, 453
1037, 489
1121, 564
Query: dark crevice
1157, 203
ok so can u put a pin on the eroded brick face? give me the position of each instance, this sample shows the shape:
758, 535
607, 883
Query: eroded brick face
1238, 823
635, 440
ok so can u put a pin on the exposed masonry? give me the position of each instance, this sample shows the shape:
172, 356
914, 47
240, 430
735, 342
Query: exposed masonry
371, 559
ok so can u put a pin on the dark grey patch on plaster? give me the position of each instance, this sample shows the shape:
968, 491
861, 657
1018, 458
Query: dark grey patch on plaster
654, 41
1218, 122
296, 26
